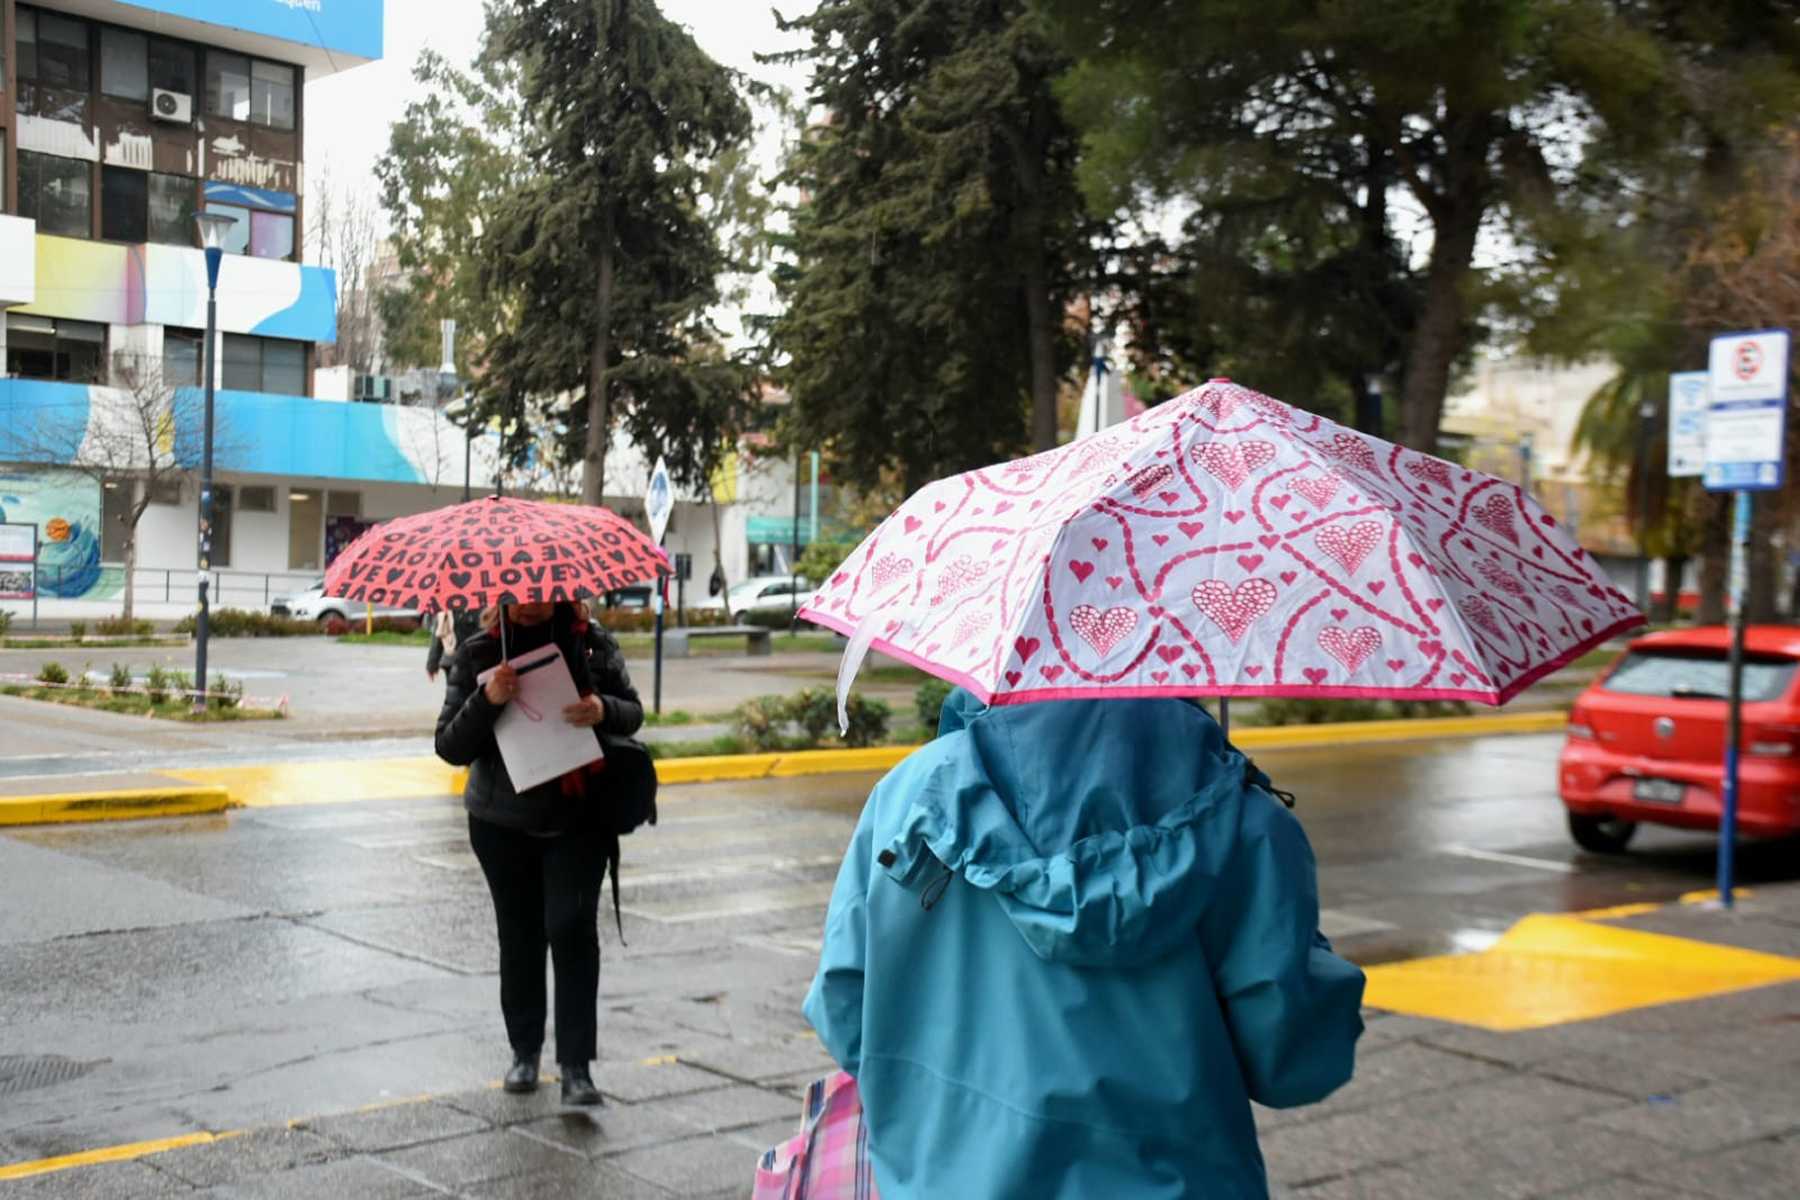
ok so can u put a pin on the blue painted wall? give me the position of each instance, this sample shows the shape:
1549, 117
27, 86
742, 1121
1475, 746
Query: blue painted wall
347, 26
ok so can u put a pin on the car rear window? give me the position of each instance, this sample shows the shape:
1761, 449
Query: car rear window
1699, 675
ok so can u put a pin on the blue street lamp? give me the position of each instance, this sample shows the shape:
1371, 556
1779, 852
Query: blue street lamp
214, 229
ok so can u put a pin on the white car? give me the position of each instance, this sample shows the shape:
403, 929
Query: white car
312, 604
763, 593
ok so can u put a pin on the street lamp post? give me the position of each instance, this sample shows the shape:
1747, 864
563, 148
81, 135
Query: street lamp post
213, 231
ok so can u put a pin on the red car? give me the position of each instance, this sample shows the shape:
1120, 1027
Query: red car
1647, 740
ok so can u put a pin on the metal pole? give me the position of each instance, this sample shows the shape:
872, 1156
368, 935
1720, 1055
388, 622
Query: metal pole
812, 512
1734, 727
1646, 412
206, 480
659, 598
794, 562
1225, 716
468, 456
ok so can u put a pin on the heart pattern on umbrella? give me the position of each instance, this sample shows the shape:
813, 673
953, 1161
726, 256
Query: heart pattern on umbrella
1234, 610
1225, 543
1103, 630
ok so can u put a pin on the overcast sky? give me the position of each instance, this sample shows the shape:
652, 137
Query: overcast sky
348, 115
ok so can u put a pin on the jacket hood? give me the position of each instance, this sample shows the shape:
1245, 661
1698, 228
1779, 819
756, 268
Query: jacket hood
1101, 826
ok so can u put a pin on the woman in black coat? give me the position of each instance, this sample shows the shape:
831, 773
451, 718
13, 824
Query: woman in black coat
544, 851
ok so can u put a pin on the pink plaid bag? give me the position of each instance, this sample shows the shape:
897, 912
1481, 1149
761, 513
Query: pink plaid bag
829, 1158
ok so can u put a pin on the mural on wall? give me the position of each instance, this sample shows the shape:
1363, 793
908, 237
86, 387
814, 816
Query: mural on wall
65, 506
166, 285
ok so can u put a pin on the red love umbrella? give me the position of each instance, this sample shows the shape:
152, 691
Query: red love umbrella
496, 550
1225, 544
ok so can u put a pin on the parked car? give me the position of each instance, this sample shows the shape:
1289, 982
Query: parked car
1646, 742
762, 593
312, 604
636, 596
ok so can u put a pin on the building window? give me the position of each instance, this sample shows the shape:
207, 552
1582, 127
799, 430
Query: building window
172, 67
56, 193
124, 203
306, 530
171, 210
228, 85
139, 206
343, 504
166, 492
42, 348
182, 357
256, 499
237, 236
271, 235
53, 51
124, 64
272, 95
254, 364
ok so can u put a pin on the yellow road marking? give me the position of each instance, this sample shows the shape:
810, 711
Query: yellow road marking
88, 1158
1549, 970
331, 781
1618, 912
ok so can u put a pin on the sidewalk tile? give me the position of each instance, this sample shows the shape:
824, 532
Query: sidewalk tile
262, 1152
395, 1126
503, 1108
357, 1178
1631, 1076
1628, 1189
479, 1157
763, 1061
107, 1181
693, 1168
1707, 1119
612, 1129
637, 1081
1762, 1171
578, 1181
729, 1108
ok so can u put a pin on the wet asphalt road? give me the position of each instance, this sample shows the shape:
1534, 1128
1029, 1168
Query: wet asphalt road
270, 964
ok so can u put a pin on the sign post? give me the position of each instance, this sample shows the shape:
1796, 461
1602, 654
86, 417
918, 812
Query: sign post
659, 503
1746, 428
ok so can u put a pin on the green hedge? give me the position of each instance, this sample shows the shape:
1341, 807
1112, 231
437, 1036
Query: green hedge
243, 622
766, 721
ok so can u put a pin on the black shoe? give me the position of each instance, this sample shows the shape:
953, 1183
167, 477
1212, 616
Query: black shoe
524, 1075
578, 1087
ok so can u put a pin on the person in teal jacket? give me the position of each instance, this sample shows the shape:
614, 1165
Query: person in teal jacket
1069, 944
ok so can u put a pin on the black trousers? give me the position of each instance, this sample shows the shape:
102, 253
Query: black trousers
546, 893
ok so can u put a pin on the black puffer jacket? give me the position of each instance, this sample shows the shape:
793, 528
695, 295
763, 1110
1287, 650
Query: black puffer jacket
465, 728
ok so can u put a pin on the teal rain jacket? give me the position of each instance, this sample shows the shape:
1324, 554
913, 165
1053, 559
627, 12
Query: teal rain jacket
1069, 944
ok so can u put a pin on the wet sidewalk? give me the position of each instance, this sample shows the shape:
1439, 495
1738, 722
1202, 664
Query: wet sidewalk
1696, 1100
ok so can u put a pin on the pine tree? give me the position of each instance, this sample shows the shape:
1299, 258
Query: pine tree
939, 243
604, 258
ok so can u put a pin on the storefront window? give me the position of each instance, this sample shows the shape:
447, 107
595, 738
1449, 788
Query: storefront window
272, 95
271, 235
237, 238
42, 348
124, 202
171, 215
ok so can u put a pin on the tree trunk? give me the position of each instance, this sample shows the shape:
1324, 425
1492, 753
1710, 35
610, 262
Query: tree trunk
1438, 339
130, 571
1765, 561
599, 431
1715, 562
1042, 318
1668, 611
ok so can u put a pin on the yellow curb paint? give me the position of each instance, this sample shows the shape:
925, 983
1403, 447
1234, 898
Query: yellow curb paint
1551, 970
721, 768
1711, 896
131, 804
1617, 912
335, 781
661, 1060
88, 1158
1349, 732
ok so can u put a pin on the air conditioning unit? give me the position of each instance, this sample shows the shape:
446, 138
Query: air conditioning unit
177, 107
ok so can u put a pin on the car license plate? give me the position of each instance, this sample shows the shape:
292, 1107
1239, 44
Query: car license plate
1658, 791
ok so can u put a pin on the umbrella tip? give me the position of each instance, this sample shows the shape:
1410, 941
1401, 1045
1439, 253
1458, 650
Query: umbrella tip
1220, 379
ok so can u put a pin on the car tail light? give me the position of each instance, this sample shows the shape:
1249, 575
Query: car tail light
1579, 729
1773, 741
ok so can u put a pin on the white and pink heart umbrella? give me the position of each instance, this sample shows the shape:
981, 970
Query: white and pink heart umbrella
1224, 544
